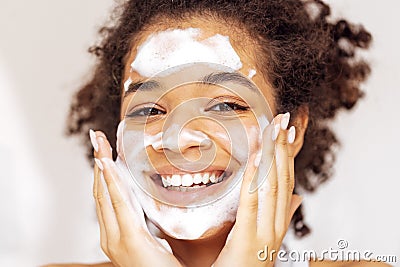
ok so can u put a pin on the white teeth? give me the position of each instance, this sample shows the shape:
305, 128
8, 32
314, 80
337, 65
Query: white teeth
206, 178
165, 182
212, 178
176, 180
197, 179
184, 182
187, 180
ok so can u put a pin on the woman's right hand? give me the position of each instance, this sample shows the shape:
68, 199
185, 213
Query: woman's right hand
125, 238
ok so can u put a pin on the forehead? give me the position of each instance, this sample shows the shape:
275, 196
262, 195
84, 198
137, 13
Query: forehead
241, 42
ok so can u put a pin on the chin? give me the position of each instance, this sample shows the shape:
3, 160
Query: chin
211, 233
198, 223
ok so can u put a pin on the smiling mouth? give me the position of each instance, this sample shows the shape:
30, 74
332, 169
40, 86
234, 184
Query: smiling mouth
191, 181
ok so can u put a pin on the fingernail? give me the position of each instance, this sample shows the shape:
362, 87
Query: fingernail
93, 139
107, 161
285, 120
276, 132
99, 164
291, 134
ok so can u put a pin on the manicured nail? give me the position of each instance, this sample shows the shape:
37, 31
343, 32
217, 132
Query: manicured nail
99, 164
285, 120
107, 161
93, 139
276, 131
291, 134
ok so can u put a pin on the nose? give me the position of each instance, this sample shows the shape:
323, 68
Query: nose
178, 140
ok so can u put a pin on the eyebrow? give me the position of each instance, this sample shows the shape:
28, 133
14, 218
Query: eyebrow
224, 77
149, 85
212, 78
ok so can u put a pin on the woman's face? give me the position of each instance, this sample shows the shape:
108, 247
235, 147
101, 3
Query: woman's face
188, 133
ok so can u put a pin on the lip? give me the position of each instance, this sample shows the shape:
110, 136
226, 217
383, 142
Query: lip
187, 168
202, 194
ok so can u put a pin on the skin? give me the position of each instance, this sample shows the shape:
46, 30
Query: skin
124, 235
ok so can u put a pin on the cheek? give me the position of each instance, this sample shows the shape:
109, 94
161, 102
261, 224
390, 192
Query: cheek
130, 147
244, 138
253, 137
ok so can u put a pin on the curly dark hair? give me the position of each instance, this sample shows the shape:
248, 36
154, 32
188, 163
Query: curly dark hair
308, 59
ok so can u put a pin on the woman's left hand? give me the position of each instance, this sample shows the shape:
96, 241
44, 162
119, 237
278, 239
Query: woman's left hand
264, 216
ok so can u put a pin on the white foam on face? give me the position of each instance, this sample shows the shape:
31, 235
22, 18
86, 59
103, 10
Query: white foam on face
153, 140
127, 83
171, 48
187, 135
168, 140
252, 72
263, 121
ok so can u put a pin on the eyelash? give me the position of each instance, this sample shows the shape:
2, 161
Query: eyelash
230, 106
146, 112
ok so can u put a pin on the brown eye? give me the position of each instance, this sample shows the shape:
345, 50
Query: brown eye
146, 111
227, 106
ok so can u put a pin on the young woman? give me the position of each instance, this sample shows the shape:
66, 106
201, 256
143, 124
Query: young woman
305, 69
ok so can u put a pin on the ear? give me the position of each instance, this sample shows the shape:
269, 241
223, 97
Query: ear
300, 122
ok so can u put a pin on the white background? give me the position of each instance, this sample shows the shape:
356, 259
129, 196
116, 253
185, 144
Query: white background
46, 208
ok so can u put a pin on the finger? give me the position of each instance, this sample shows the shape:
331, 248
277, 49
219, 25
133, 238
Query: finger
246, 218
110, 223
111, 176
285, 179
263, 160
107, 223
128, 216
291, 156
268, 209
123, 211
266, 178
103, 235
255, 181
100, 144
